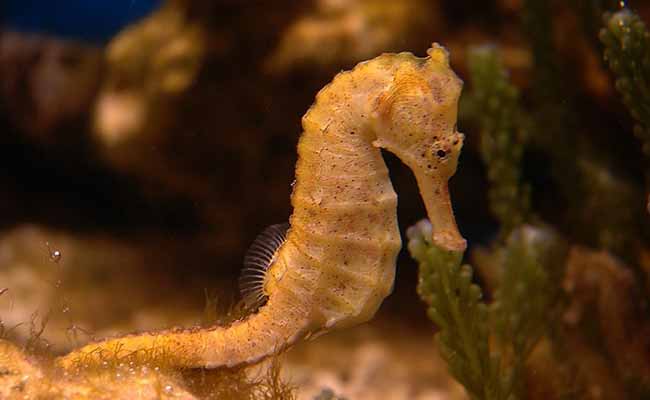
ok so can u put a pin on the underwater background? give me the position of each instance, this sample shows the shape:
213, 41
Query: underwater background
145, 144
93, 22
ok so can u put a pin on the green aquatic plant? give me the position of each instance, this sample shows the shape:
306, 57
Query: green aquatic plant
527, 303
626, 42
617, 200
455, 304
525, 308
627, 51
588, 179
502, 136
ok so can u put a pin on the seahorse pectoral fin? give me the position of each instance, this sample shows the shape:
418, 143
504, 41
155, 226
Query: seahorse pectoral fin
253, 281
435, 194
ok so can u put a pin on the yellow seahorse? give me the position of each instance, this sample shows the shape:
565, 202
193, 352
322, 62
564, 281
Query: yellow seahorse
336, 263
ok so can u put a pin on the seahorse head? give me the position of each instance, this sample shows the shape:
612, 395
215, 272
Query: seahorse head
415, 118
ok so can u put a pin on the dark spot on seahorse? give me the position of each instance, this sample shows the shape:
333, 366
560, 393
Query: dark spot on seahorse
441, 153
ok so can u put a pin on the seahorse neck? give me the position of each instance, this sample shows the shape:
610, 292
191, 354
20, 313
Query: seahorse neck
337, 162
344, 108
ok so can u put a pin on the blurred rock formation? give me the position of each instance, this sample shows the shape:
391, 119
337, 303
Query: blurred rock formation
47, 85
340, 32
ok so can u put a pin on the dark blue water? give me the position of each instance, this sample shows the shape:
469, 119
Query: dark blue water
94, 21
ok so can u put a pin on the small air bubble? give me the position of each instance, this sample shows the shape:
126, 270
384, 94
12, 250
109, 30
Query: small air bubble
55, 255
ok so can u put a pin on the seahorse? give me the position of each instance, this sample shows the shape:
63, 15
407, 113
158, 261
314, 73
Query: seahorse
336, 262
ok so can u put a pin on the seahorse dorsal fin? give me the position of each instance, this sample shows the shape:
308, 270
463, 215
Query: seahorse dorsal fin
258, 259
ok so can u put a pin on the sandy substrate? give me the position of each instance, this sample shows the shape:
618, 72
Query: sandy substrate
379, 360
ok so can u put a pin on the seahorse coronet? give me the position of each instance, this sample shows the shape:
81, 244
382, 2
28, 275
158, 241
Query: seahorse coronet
337, 262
